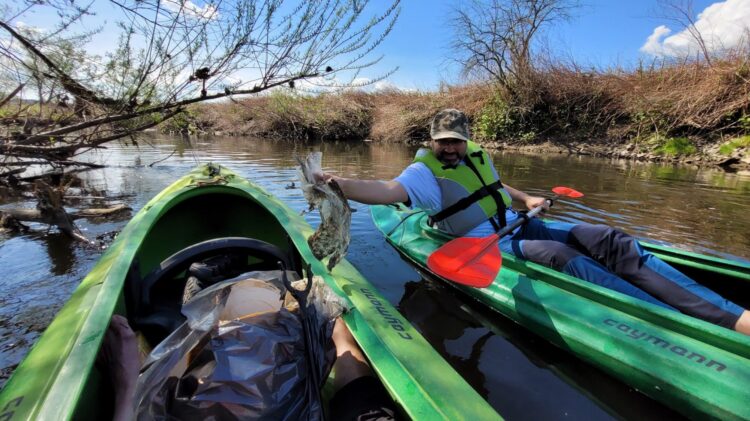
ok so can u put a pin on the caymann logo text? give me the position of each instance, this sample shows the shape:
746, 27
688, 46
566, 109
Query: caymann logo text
683, 352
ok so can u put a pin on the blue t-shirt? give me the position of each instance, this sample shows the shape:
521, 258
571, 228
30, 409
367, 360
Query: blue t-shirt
423, 190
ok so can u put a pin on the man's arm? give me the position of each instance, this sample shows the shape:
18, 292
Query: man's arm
530, 201
371, 192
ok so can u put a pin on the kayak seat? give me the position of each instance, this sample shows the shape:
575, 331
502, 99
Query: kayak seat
159, 324
159, 298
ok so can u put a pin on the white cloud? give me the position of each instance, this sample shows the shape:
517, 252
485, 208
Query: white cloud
325, 84
191, 9
722, 25
653, 44
29, 29
361, 82
387, 85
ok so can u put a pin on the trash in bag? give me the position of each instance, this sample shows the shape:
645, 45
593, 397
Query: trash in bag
244, 353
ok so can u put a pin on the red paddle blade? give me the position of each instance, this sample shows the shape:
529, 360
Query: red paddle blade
468, 261
567, 192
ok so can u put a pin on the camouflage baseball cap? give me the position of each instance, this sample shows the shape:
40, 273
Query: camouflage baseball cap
450, 123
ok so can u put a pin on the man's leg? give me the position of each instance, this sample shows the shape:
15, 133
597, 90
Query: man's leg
358, 394
621, 254
570, 261
119, 353
350, 362
743, 323
545, 244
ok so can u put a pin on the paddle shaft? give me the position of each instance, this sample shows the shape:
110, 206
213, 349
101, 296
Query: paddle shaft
520, 221
505, 231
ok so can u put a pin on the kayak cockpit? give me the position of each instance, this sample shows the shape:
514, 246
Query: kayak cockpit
225, 226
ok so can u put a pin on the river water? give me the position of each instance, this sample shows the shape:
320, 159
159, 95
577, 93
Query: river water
702, 210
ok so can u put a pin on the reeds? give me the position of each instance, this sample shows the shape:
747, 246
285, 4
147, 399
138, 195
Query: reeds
563, 101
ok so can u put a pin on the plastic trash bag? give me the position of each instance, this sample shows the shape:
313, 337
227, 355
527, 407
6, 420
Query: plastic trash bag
244, 354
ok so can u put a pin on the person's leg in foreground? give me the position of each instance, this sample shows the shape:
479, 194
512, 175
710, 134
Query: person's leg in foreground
119, 354
358, 394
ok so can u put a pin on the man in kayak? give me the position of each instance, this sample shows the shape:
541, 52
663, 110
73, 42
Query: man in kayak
455, 182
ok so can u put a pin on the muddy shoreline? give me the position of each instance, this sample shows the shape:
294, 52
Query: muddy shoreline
706, 156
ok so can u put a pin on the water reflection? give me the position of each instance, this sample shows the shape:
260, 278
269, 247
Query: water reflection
60, 250
438, 316
520, 374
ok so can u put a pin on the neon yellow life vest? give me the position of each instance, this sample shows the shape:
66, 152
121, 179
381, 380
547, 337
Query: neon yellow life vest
471, 193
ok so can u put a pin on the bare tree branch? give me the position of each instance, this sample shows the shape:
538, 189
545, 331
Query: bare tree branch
495, 38
169, 54
682, 13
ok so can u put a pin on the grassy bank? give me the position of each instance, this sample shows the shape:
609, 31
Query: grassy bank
659, 112
389, 116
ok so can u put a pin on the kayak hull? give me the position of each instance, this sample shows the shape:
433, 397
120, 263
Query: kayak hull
59, 380
695, 367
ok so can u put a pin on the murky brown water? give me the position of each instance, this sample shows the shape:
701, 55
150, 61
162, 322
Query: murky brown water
521, 376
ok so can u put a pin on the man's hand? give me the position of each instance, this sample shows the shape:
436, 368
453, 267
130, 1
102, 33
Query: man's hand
324, 177
369, 192
534, 201
530, 201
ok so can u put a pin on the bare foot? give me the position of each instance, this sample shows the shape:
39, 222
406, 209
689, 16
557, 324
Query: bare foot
743, 323
119, 354
350, 362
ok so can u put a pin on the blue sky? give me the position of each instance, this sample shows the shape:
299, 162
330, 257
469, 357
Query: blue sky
602, 33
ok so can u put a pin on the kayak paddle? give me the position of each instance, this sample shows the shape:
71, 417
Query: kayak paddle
475, 261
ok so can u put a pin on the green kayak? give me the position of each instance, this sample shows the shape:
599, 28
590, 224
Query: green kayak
59, 380
697, 368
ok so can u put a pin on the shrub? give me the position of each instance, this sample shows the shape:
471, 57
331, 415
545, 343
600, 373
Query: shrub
184, 122
495, 120
675, 146
729, 147
744, 123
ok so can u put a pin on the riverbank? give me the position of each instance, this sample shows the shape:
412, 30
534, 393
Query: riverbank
690, 112
738, 160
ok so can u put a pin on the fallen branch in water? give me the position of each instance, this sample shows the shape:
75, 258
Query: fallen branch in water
163, 159
49, 210
99, 212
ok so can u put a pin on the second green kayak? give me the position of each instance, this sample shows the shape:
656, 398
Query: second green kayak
697, 368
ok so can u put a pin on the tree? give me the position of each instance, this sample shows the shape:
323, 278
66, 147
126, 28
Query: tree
681, 12
170, 53
494, 38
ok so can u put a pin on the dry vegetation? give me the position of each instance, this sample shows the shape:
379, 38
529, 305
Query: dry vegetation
688, 99
390, 116
654, 104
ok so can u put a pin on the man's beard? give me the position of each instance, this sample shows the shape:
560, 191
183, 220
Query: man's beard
450, 159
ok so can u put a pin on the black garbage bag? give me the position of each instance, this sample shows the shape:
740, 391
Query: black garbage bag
244, 353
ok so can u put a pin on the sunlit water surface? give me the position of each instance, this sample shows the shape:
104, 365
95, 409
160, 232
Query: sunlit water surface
523, 377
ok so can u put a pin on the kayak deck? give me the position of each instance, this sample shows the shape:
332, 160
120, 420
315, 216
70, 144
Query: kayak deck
59, 380
693, 366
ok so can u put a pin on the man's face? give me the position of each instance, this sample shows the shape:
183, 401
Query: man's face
449, 151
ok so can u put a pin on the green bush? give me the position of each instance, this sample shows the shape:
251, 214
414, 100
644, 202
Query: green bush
184, 122
729, 147
744, 122
675, 146
495, 120
527, 137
